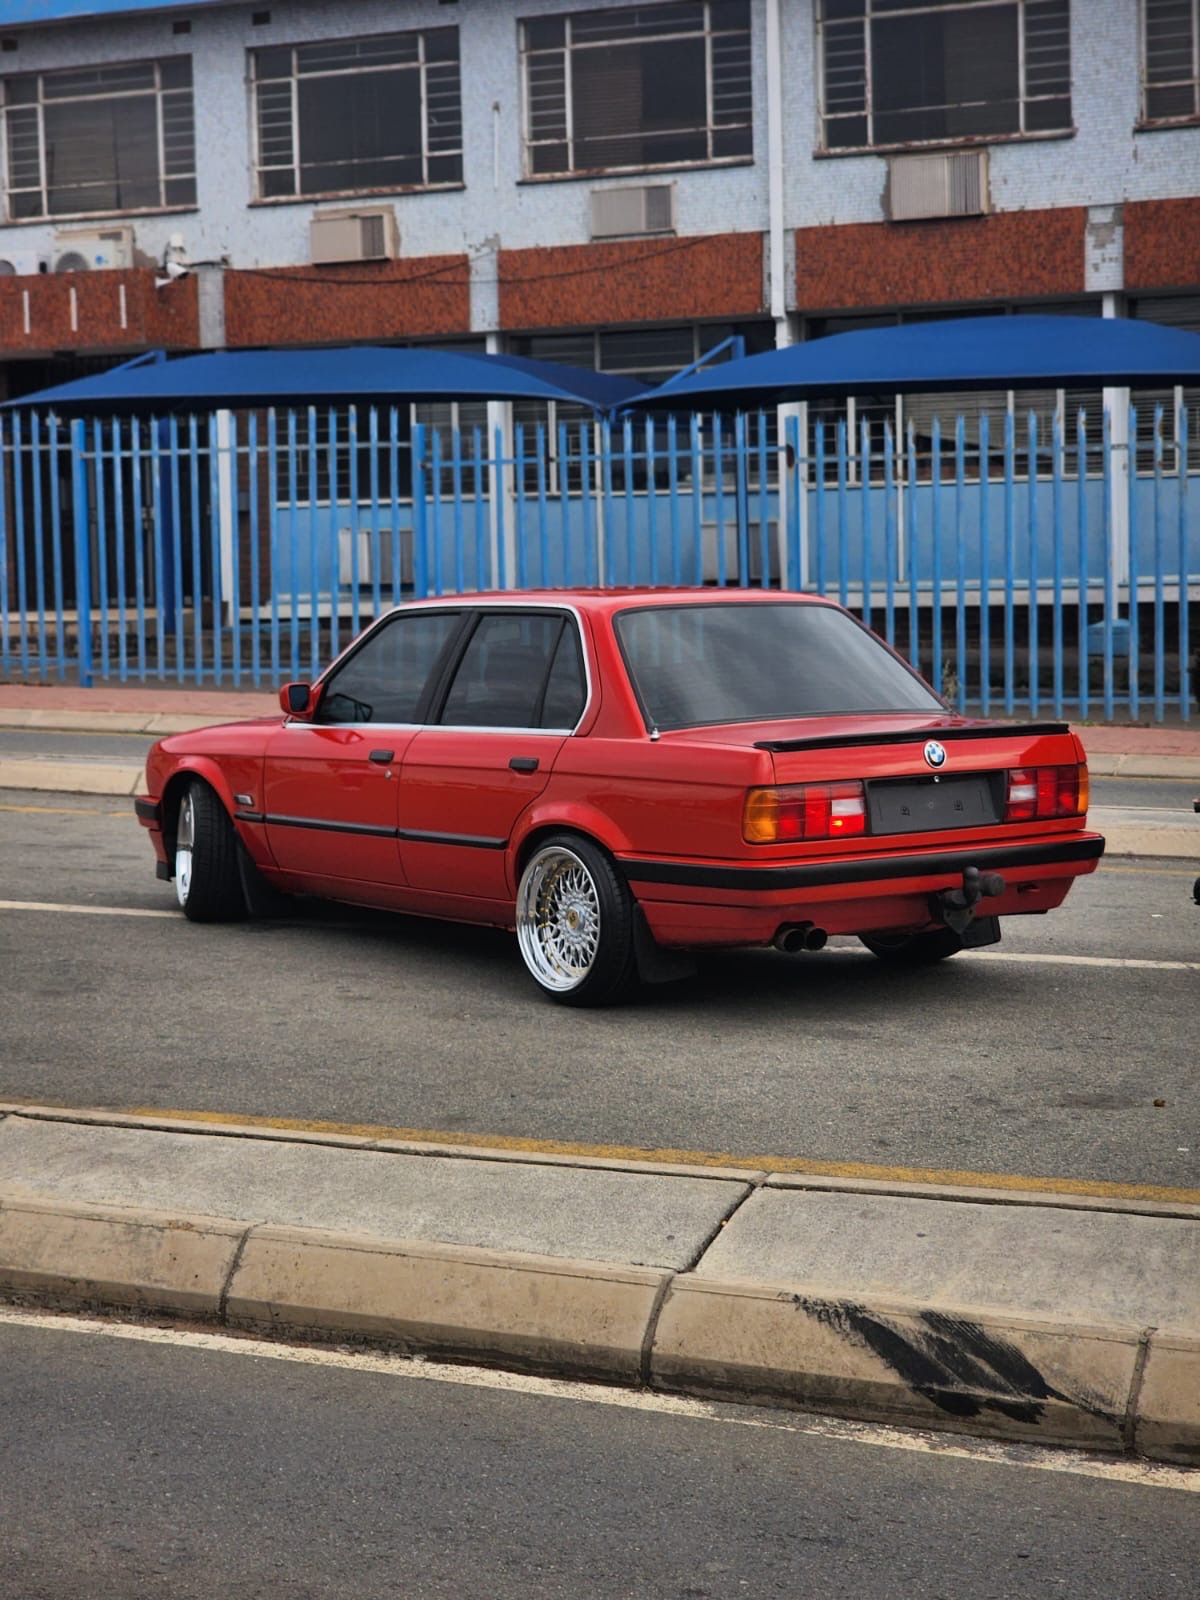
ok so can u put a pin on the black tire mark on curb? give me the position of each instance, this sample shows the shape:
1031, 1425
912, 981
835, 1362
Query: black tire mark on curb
954, 1363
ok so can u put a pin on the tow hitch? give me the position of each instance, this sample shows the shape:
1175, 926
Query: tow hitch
955, 908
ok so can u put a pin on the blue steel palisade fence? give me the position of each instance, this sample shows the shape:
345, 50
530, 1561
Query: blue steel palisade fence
1040, 570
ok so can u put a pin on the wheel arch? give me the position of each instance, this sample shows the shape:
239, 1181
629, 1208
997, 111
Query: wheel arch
588, 824
208, 772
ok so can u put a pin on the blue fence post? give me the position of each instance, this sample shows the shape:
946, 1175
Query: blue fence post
1160, 554
18, 479
985, 567
138, 524
935, 477
960, 566
1033, 641
1185, 673
4, 619
843, 519
39, 553
1109, 579
890, 554
420, 568
1010, 558
1131, 481
1056, 632
83, 551
913, 552
742, 501
1081, 515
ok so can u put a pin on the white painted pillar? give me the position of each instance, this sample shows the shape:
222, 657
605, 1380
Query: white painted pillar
226, 516
500, 483
1116, 403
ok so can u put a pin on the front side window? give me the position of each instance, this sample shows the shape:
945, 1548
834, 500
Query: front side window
1171, 53
350, 114
641, 86
516, 673
900, 72
96, 140
729, 662
386, 679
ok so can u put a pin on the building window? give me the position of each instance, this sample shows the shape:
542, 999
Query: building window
900, 72
351, 114
95, 140
642, 86
1171, 47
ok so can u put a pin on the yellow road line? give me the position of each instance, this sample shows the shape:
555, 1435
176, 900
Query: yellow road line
802, 1166
72, 811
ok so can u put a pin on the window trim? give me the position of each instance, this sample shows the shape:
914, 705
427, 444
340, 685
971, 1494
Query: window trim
53, 218
437, 685
1146, 123
301, 196
823, 151
586, 174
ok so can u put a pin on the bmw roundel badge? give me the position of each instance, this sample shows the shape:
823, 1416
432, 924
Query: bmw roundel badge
935, 753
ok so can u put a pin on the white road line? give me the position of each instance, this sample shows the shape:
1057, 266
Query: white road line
1077, 1463
88, 911
1049, 958
1089, 961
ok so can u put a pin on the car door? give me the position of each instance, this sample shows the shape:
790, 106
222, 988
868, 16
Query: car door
516, 692
331, 784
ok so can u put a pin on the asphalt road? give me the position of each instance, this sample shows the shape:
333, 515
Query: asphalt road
139, 1470
1042, 1067
1168, 794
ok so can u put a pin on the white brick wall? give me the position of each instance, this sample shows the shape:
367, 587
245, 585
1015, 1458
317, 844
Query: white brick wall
1105, 164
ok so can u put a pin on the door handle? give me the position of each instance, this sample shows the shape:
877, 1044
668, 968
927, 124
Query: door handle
524, 763
382, 757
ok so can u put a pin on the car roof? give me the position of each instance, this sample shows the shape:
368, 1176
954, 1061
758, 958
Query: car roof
607, 601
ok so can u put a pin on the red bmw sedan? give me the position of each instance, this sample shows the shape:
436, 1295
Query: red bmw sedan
625, 776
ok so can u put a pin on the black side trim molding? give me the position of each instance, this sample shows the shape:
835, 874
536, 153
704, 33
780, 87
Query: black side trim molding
148, 811
845, 741
372, 830
820, 874
467, 839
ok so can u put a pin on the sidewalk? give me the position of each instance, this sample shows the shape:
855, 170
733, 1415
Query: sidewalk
1113, 751
1071, 1320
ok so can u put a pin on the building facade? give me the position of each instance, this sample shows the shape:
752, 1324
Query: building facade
603, 183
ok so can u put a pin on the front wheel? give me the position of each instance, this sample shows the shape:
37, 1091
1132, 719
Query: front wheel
208, 885
913, 949
575, 923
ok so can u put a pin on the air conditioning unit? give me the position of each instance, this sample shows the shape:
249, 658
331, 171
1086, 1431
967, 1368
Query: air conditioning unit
366, 558
635, 209
359, 235
21, 264
93, 248
950, 185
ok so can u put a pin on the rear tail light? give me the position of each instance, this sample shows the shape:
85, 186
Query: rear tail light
804, 811
1035, 793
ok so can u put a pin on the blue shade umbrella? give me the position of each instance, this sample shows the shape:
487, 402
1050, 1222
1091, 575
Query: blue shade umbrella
999, 352
364, 374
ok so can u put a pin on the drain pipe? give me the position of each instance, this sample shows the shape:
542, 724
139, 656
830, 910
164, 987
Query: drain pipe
789, 418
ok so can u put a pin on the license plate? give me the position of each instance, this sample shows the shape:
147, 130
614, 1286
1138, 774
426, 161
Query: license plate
925, 805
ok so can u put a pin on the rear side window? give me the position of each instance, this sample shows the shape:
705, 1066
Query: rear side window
384, 680
698, 664
516, 672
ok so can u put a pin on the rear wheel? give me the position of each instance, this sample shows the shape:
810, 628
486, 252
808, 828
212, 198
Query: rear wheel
913, 949
575, 923
208, 885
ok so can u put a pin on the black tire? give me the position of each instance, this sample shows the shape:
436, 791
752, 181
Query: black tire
913, 949
208, 885
575, 923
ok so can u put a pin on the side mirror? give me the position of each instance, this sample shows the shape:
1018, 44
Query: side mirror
295, 698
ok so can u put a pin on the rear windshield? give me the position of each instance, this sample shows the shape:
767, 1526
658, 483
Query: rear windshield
699, 664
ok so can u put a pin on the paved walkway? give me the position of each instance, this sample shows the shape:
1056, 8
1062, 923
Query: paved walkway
1057, 1319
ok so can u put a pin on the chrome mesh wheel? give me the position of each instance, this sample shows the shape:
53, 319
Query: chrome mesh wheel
185, 841
558, 918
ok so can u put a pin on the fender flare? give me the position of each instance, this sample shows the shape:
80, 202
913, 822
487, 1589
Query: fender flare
576, 818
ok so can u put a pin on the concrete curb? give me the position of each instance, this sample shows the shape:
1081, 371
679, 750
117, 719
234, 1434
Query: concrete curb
1062, 1379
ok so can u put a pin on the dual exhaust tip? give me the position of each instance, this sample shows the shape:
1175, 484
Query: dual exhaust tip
793, 937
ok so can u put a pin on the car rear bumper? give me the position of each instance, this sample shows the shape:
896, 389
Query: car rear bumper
692, 902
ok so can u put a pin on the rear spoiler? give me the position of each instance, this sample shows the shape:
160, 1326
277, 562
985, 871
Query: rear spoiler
842, 741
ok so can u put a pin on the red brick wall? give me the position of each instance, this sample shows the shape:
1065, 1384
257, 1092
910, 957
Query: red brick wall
164, 318
632, 280
351, 304
1009, 255
1162, 244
